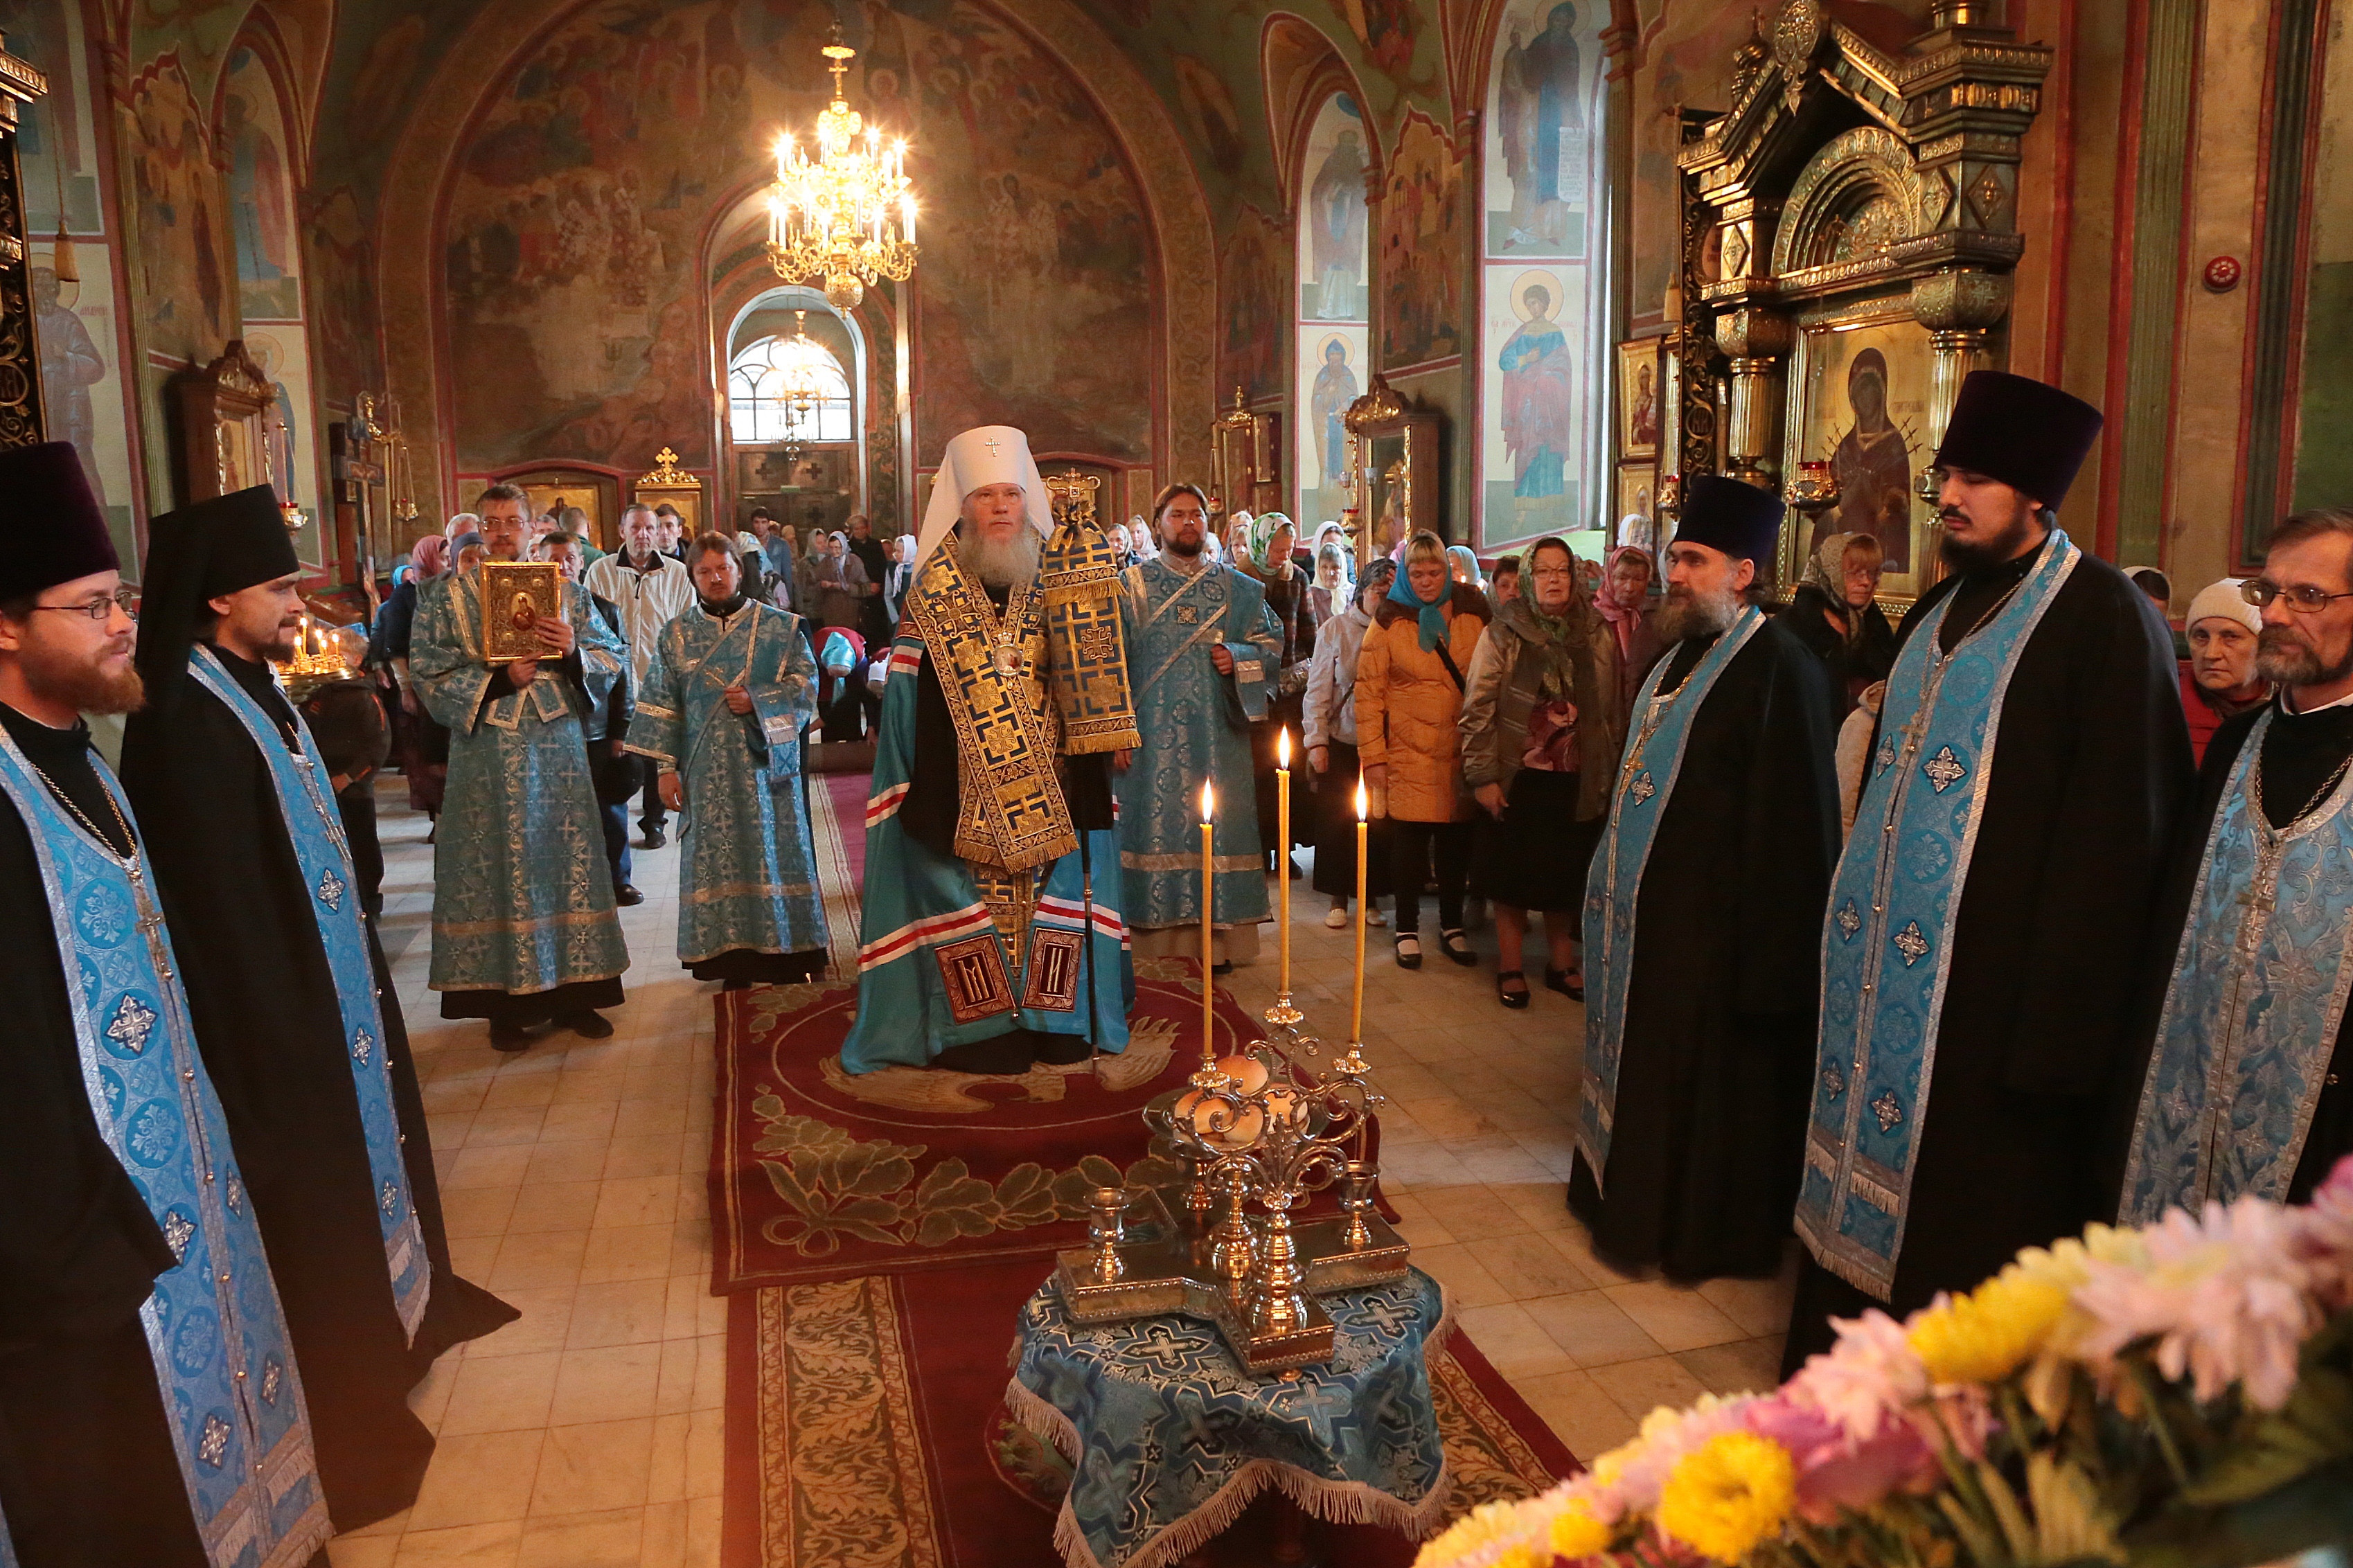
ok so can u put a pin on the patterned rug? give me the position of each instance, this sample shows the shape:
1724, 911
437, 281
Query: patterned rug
865, 1428
817, 1173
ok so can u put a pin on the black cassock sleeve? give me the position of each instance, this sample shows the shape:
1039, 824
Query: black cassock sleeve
2116, 801
79, 1251
1790, 837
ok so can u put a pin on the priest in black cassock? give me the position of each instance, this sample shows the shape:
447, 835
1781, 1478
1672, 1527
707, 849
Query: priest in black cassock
2243, 1085
292, 1004
1986, 924
1699, 919
134, 1432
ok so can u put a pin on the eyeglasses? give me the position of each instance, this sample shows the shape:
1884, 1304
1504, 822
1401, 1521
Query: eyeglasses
98, 609
2303, 598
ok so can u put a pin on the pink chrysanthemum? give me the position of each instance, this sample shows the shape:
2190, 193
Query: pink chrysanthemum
2226, 1296
1871, 1374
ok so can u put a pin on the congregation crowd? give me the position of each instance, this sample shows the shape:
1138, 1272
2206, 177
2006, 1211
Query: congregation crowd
1809, 871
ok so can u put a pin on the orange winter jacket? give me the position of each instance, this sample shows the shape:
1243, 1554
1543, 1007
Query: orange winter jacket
1408, 707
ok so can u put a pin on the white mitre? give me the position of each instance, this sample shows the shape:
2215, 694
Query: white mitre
990, 455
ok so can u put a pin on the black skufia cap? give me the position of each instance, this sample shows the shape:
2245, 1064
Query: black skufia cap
198, 554
1730, 515
2029, 434
52, 528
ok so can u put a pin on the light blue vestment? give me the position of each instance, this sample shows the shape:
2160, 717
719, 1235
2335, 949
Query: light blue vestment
2253, 1007
748, 882
1196, 725
224, 1366
315, 827
1886, 948
523, 895
1646, 779
935, 968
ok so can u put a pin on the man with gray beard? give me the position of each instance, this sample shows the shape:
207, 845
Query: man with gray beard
1702, 912
990, 935
2242, 1082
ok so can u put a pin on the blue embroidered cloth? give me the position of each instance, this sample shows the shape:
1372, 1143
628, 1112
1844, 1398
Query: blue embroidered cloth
1170, 1438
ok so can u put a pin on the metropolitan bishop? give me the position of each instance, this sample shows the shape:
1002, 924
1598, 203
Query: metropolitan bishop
991, 935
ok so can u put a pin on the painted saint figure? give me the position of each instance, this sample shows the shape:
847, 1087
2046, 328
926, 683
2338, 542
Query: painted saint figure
1873, 467
1544, 131
1336, 205
1327, 402
1539, 400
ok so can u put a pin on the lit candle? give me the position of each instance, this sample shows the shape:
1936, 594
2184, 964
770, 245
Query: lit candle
1363, 820
1208, 990
1282, 853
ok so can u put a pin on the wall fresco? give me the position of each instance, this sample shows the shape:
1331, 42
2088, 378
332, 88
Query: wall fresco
1422, 257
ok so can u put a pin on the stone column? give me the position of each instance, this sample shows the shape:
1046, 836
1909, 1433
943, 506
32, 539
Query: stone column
1758, 344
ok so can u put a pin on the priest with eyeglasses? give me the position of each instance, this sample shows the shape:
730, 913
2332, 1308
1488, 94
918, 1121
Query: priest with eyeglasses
2244, 1085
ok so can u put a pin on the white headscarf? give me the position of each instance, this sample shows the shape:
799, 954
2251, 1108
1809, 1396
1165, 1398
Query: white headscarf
987, 455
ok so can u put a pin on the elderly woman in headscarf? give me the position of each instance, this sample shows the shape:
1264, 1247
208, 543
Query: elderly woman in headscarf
1330, 720
1335, 584
1462, 565
838, 582
1273, 538
1623, 604
1541, 736
1835, 615
902, 578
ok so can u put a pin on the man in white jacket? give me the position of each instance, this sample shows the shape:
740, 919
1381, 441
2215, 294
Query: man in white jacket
649, 588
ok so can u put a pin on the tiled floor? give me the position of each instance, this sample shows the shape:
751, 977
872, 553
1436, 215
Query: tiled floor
587, 1434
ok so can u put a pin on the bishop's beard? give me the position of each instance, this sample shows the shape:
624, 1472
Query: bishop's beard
1691, 613
1004, 563
84, 683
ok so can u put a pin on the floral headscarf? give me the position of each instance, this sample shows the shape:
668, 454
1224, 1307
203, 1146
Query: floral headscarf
1826, 571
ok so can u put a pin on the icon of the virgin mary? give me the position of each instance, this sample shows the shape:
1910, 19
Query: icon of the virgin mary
1872, 466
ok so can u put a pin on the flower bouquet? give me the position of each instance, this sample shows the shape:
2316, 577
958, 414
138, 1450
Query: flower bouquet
2175, 1396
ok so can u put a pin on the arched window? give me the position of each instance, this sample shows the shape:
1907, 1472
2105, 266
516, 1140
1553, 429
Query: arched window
788, 388
1331, 304
1544, 288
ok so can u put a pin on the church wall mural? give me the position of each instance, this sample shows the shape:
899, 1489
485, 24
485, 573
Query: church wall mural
573, 230
1253, 289
271, 293
1422, 235
82, 384
1332, 336
1543, 323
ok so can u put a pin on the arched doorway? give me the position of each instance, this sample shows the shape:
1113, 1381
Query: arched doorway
795, 388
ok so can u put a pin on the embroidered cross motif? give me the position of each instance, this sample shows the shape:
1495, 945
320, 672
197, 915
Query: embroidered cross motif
1889, 1110
1188, 614
1943, 770
1643, 789
133, 1020
1392, 1316
363, 1047
1848, 921
1833, 1080
176, 1231
1887, 754
331, 890
236, 1195
214, 1444
1911, 945
273, 1377
389, 1199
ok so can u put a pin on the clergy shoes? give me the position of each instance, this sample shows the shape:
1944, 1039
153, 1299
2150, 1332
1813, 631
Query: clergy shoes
510, 1038
628, 896
999, 1054
1062, 1050
589, 1025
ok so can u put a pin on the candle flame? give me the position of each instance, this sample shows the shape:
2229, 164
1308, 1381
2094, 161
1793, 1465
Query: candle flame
1209, 801
1282, 747
1363, 802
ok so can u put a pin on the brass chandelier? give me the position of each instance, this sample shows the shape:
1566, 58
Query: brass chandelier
848, 213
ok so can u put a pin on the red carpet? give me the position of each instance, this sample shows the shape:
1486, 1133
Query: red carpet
816, 1175
866, 1426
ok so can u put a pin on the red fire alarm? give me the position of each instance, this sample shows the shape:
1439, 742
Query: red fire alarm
2222, 274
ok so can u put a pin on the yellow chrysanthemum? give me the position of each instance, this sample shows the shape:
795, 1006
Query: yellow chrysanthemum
1523, 1557
1577, 1533
1989, 1334
1731, 1492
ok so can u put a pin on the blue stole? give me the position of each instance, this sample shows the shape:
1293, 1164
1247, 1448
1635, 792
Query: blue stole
1645, 780
315, 828
231, 1394
2252, 1010
1886, 952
